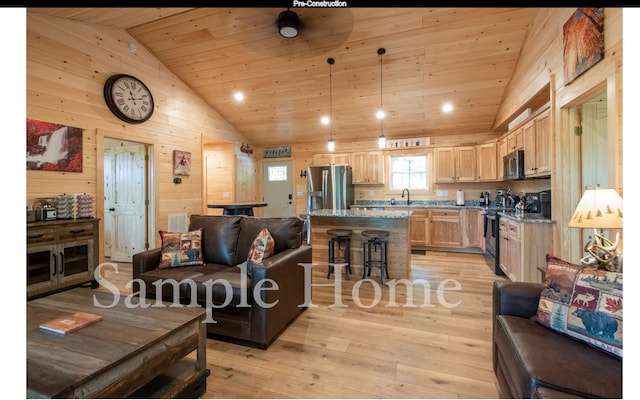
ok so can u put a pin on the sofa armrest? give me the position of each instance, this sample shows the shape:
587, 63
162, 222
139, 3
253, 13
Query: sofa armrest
516, 298
145, 261
283, 268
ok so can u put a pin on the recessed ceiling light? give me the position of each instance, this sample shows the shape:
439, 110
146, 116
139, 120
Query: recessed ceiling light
325, 120
447, 107
238, 96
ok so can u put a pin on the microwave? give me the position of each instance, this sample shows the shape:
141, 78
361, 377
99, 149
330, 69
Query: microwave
513, 164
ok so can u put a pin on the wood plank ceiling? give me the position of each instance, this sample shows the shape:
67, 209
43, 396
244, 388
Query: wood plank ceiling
464, 56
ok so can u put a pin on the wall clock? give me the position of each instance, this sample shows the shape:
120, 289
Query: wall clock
128, 98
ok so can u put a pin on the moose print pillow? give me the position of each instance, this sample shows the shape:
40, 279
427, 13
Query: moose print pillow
584, 303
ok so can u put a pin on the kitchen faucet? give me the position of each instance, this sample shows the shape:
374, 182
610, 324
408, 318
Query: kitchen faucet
405, 190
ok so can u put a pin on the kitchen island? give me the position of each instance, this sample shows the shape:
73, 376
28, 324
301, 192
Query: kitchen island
398, 246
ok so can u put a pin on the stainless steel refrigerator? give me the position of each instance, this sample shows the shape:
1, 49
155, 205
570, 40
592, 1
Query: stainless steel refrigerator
329, 188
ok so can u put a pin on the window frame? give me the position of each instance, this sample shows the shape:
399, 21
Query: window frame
428, 171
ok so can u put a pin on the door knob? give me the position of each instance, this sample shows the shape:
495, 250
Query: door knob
112, 209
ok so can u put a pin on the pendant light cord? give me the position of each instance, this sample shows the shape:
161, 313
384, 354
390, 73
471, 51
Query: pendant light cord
330, 61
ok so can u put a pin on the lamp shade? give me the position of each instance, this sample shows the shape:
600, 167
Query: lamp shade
598, 208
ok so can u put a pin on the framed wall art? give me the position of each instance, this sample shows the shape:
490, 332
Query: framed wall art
583, 41
181, 162
53, 147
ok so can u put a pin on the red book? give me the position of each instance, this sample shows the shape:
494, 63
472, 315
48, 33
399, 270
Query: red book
70, 322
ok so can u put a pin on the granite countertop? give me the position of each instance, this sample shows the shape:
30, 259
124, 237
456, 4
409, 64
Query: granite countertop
535, 218
402, 203
361, 213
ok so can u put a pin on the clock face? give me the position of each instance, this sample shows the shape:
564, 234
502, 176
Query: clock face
128, 98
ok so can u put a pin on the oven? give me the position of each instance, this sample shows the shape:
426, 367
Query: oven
491, 240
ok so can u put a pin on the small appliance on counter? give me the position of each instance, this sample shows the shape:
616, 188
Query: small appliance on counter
545, 203
532, 202
45, 209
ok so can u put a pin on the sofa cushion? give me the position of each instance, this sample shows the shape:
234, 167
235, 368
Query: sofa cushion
533, 357
219, 237
287, 233
180, 248
584, 303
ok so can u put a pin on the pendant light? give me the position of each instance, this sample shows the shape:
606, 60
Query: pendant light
331, 144
382, 141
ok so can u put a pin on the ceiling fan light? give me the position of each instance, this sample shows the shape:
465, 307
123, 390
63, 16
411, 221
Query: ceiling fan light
289, 24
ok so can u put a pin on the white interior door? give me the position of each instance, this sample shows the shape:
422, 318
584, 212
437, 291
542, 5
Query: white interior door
124, 199
278, 189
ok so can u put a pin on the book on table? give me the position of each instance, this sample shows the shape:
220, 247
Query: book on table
70, 322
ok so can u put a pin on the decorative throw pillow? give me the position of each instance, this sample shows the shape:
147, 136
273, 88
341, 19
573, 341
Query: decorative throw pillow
262, 247
584, 303
181, 248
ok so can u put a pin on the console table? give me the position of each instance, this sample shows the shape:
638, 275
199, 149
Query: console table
154, 352
238, 208
61, 254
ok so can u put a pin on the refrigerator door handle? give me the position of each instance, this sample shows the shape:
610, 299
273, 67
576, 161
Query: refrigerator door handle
325, 183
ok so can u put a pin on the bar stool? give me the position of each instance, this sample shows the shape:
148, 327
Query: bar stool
375, 239
339, 237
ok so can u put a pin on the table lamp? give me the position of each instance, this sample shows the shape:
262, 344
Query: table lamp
600, 209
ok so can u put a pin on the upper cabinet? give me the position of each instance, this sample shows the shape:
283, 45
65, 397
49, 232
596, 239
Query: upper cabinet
368, 168
455, 164
537, 146
515, 140
323, 159
487, 162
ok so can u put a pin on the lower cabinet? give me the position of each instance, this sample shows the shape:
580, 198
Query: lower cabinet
523, 249
446, 228
60, 254
420, 228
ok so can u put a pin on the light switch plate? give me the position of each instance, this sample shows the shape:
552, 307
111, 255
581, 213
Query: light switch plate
299, 194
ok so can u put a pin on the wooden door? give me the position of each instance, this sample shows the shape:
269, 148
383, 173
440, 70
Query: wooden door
278, 189
446, 229
543, 143
530, 148
466, 164
487, 162
124, 199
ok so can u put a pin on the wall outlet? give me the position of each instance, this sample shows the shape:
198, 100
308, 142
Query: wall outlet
442, 193
226, 194
299, 194
372, 193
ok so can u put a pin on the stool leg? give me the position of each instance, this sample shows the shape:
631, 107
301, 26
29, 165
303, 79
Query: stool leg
330, 259
383, 263
369, 245
386, 261
347, 257
364, 260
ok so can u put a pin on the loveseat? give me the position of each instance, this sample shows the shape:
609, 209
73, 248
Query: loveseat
225, 245
533, 361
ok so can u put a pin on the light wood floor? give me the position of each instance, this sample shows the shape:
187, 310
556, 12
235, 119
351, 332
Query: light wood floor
432, 350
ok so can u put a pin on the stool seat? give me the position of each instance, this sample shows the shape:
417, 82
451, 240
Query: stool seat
374, 239
339, 236
373, 234
339, 232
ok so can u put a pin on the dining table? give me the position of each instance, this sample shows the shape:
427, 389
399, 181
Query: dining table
238, 208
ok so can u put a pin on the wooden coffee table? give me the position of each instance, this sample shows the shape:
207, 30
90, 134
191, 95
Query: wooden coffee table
139, 352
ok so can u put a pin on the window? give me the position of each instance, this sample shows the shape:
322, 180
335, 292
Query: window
277, 173
409, 172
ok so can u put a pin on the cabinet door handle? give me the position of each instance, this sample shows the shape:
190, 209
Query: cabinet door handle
35, 236
55, 264
61, 263
77, 231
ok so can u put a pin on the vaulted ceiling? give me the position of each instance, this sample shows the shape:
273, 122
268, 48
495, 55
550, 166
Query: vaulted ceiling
462, 56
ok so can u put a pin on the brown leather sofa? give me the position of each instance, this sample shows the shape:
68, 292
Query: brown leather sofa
226, 241
532, 361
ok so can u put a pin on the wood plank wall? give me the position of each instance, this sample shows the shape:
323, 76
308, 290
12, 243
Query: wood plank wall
67, 65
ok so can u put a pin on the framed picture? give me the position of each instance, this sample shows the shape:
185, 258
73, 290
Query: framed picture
181, 162
53, 147
583, 41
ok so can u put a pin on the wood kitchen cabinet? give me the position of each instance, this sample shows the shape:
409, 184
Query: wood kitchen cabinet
537, 146
446, 228
515, 140
455, 164
60, 254
473, 232
324, 159
523, 249
368, 168
419, 231
487, 162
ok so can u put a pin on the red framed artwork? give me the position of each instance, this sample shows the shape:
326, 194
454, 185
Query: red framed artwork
583, 41
53, 147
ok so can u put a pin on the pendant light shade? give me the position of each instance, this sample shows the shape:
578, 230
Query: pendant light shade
331, 144
289, 24
382, 141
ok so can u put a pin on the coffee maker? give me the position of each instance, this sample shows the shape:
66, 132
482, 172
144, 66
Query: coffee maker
500, 200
